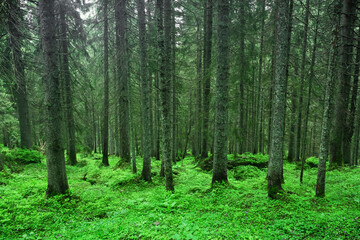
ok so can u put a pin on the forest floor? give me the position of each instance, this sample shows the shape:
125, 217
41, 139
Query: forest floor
113, 204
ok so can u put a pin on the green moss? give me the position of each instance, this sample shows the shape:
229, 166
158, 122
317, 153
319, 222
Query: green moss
119, 206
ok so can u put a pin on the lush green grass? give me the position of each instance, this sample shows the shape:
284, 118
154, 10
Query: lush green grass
113, 204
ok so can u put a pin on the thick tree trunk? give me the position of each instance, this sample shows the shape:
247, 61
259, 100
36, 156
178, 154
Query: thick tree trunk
340, 142
121, 51
222, 77
353, 106
208, 20
356, 112
105, 159
145, 93
57, 180
14, 23
279, 100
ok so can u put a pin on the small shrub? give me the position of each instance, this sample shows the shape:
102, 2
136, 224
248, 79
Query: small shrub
246, 172
24, 156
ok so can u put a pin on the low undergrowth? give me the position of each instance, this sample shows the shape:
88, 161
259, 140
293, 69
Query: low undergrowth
114, 204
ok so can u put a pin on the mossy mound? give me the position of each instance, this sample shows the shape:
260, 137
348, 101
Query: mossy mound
260, 161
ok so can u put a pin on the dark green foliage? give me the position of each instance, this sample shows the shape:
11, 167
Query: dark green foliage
19, 155
246, 159
246, 172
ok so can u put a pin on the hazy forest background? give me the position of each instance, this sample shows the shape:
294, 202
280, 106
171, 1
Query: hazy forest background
169, 119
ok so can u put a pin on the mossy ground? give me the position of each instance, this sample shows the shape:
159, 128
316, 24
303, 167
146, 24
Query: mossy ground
113, 204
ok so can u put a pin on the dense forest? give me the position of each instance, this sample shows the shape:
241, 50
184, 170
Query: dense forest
179, 119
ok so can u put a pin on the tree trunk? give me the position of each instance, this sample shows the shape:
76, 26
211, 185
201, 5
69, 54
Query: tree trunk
302, 82
257, 120
165, 92
291, 152
208, 20
340, 142
326, 123
307, 106
105, 159
15, 20
57, 179
222, 77
67, 81
145, 93
121, 51
279, 100
199, 92
356, 112
160, 76
173, 90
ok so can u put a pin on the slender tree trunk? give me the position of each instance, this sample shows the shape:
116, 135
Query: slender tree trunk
57, 179
173, 90
307, 106
189, 125
105, 159
222, 77
302, 82
271, 90
67, 81
257, 120
291, 152
326, 123
161, 75
279, 100
15, 20
208, 20
241, 132
121, 51
145, 93
165, 90
199, 89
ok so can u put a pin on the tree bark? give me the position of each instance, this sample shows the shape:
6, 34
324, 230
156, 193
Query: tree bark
199, 92
121, 51
340, 142
356, 111
326, 123
257, 120
279, 100
105, 159
160, 76
15, 20
174, 149
302, 82
307, 106
57, 179
145, 93
222, 78
67, 81
208, 20
165, 91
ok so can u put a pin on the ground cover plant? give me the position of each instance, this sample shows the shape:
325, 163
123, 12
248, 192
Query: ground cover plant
108, 203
